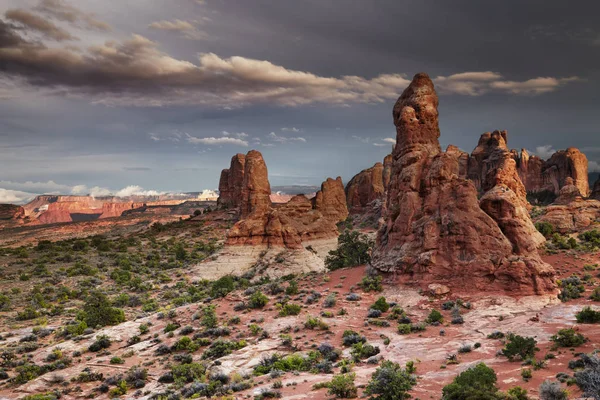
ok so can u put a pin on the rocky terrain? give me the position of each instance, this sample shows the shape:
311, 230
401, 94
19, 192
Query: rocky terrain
432, 274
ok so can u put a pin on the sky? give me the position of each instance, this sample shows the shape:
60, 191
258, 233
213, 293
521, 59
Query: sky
148, 96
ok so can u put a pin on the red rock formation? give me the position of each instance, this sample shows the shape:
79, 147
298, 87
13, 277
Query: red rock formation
288, 224
576, 216
463, 160
232, 182
530, 170
11, 212
256, 189
387, 170
563, 164
111, 210
331, 200
365, 187
436, 230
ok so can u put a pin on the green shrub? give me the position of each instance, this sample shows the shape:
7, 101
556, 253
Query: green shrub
315, 323
545, 228
390, 382
102, 342
523, 347
290, 309
476, 383
97, 311
361, 350
381, 304
353, 249
209, 317
27, 314
187, 373
222, 286
588, 316
372, 283
292, 289
434, 316
568, 338
571, 288
342, 386
257, 300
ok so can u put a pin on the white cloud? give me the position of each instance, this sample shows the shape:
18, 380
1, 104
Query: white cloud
380, 144
284, 139
239, 135
389, 140
134, 190
15, 196
80, 190
292, 129
362, 139
544, 152
216, 141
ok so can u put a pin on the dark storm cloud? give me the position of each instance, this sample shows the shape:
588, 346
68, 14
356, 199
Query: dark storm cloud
261, 66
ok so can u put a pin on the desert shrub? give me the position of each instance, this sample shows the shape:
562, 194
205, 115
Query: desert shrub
102, 342
27, 314
315, 323
591, 238
496, 335
478, 382
353, 249
186, 373
390, 382
342, 386
350, 338
257, 300
42, 396
545, 228
381, 304
588, 316
209, 317
456, 317
588, 379
4, 302
552, 391
568, 338
117, 360
596, 294
523, 347
97, 311
353, 297
372, 283
517, 393
362, 350
434, 316
571, 288
220, 348
329, 301
292, 288
372, 313
290, 309
222, 286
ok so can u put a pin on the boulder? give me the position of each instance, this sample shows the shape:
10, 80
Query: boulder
435, 229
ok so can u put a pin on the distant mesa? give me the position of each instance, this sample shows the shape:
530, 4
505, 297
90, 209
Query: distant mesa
436, 230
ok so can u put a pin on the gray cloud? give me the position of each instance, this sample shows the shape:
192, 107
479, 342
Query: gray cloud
39, 24
185, 28
63, 11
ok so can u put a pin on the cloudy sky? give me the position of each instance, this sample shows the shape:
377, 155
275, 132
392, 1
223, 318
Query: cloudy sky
98, 96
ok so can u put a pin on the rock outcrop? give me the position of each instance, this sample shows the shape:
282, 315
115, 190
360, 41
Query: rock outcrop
10, 212
331, 200
530, 170
435, 230
387, 170
365, 187
232, 182
289, 224
568, 193
563, 164
256, 190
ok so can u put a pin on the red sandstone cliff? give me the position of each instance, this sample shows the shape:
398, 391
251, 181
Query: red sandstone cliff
436, 230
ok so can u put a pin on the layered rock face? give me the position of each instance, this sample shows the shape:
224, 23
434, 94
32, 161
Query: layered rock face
256, 190
551, 175
289, 224
436, 231
11, 212
567, 163
232, 182
365, 187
